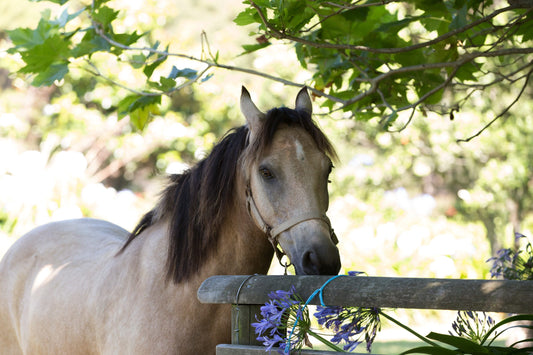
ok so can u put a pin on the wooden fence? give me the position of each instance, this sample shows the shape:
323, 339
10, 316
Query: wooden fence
248, 293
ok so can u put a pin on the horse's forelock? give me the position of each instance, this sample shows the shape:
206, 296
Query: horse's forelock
283, 115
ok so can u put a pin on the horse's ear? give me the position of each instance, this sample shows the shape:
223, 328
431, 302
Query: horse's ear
303, 101
250, 111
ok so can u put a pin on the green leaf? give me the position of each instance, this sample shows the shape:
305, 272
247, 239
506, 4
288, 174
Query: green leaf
60, 2
65, 17
526, 28
395, 26
465, 345
143, 109
144, 101
430, 350
459, 18
186, 73
520, 317
51, 74
40, 57
466, 72
167, 83
247, 17
98, 3
104, 15
140, 108
25, 38
125, 104
207, 77
356, 14
90, 43
154, 47
127, 38
138, 60
249, 48
436, 8
149, 69
342, 25
301, 54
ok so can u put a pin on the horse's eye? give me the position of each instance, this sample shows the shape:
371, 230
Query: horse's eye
265, 173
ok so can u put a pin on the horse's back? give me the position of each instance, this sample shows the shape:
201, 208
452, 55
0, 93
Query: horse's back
46, 278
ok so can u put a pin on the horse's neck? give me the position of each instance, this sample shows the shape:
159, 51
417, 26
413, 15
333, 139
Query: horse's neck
241, 248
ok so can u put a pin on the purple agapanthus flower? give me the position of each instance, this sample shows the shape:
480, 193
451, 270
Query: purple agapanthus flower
513, 265
277, 315
472, 325
285, 323
350, 324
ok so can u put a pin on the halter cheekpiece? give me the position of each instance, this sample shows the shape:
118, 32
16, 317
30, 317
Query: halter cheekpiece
273, 232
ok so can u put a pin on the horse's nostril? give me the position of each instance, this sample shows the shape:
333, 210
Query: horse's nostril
314, 263
310, 263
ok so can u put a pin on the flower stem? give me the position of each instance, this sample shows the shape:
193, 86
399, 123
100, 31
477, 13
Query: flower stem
421, 337
325, 342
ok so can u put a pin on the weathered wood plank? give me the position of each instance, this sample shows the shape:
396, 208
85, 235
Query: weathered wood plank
387, 292
232, 349
242, 316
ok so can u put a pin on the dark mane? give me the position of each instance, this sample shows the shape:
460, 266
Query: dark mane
196, 202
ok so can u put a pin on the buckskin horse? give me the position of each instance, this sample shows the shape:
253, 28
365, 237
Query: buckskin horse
87, 286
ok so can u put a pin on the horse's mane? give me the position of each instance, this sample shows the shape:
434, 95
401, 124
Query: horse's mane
196, 201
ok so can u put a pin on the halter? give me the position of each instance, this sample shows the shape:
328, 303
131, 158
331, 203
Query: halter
273, 232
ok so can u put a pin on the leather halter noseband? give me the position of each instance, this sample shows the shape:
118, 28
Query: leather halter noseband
273, 232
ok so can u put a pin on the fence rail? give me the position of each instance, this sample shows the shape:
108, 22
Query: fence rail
248, 293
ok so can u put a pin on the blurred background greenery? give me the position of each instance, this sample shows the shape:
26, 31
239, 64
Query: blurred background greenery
412, 203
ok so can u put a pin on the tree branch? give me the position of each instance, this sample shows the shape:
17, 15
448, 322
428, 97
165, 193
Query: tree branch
501, 113
209, 64
280, 35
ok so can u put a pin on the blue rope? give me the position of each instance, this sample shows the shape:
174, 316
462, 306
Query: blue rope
320, 292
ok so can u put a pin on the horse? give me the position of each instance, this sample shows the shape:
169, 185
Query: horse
87, 286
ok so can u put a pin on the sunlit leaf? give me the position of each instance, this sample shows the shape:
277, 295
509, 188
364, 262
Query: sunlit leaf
65, 17
249, 48
90, 43
104, 15
167, 83
60, 2
246, 17
186, 73
41, 56
48, 76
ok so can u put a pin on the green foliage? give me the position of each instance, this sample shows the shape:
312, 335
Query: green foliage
372, 59
377, 59
56, 45
462, 345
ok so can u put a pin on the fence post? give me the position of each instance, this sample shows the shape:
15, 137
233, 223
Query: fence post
242, 316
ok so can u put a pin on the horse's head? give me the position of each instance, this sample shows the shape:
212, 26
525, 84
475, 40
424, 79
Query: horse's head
287, 165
